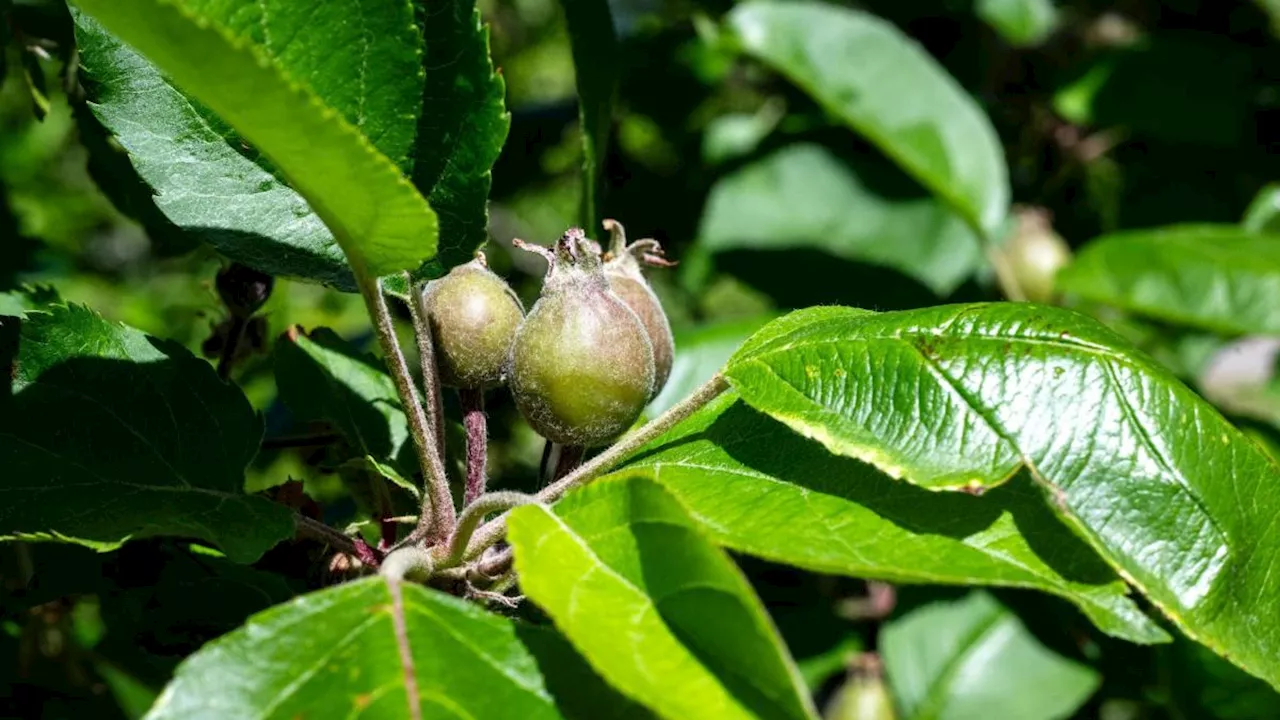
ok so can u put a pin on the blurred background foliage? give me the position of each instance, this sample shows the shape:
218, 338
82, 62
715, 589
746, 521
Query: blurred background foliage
1113, 115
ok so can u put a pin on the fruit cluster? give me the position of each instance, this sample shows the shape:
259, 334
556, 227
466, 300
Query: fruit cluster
588, 357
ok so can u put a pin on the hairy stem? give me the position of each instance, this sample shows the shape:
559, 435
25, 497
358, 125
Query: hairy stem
411, 563
438, 515
474, 513
492, 531
427, 359
473, 419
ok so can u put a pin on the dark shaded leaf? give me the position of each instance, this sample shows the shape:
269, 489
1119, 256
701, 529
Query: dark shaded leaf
463, 125
322, 377
596, 58
111, 434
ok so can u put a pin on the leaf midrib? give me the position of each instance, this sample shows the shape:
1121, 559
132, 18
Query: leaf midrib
647, 606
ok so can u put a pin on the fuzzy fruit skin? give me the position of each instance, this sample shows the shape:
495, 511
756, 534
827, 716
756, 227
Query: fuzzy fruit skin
636, 293
582, 366
474, 316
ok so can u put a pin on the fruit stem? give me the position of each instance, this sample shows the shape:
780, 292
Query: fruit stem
493, 531
427, 359
1006, 278
229, 348
474, 513
438, 515
407, 563
305, 527
569, 460
477, 426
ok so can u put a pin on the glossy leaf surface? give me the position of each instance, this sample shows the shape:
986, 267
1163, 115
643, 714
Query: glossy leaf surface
1216, 277
878, 81
967, 396
111, 435
374, 214
661, 613
366, 649
758, 488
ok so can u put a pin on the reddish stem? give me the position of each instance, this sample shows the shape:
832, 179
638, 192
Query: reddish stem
473, 419
390, 533
570, 458
367, 554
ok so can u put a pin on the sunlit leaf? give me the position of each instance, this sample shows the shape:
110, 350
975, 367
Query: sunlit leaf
802, 196
884, 86
662, 614
332, 169
1216, 277
759, 488
967, 396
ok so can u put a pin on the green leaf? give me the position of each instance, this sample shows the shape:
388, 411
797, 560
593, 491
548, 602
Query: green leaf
374, 214
596, 65
757, 488
366, 648
734, 135
1216, 277
580, 693
700, 353
1022, 23
859, 67
463, 125
322, 377
802, 196
1263, 215
966, 396
973, 658
111, 435
661, 613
